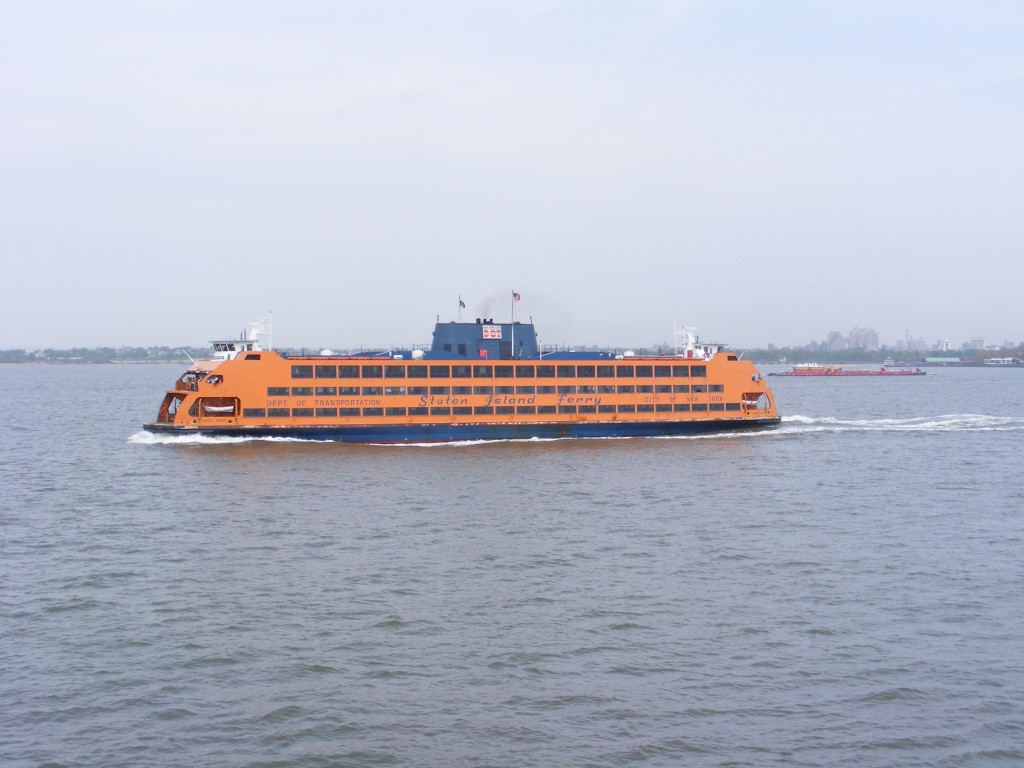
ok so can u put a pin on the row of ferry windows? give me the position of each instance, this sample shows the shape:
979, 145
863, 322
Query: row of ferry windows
498, 371
320, 413
565, 389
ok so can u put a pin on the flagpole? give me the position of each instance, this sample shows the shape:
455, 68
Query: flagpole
513, 335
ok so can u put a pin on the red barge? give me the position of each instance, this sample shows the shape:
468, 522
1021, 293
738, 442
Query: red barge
814, 369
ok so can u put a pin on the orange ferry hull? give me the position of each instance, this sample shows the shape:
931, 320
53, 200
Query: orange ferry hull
467, 387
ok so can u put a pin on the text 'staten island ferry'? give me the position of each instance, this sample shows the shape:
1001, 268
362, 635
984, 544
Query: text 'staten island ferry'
478, 381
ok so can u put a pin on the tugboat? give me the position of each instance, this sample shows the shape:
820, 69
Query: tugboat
481, 380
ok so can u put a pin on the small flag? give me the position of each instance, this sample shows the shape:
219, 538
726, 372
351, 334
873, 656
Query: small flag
515, 296
462, 304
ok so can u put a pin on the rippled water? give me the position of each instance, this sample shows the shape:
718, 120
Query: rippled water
845, 589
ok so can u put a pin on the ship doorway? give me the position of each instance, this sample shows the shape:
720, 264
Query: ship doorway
756, 401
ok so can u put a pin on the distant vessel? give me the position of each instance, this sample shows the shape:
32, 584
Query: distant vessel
478, 381
815, 369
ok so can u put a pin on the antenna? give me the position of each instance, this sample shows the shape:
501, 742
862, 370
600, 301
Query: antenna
186, 354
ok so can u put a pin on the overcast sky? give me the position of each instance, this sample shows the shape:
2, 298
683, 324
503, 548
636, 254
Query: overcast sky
765, 171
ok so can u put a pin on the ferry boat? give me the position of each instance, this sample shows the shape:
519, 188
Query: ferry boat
815, 369
479, 380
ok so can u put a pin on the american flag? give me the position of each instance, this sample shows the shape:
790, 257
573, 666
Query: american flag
516, 296
462, 304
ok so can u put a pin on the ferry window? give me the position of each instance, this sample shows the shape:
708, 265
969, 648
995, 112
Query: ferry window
417, 390
662, 387
278, 391
527, 409
698, 371
504, 410
440, 390
348, 371
588, 409
525, 372
461, 371
567, 371
586, 389
394, 371
586, 371
606, 371
327, 371
680, 387
417, 371
394, 390
278, 413
418, 411
348, 411
681, 371
394, 411
644, 370
627, 409
483, 410
440, 372
373, 390
662, 371
606, 409
699, 388
699, 407
252, 357
546, 409
624, 371
348, 390
372, 371
504, 390
373, 411
302, 371
326, 412
256, 413
732, 406
626, 389
462, 410
567, 409
569, 389
326, 391
716, 387
440, 411
545, 371
483, 371
302, 413
544, 390
663, 407
717, 407
462, 350
646, 388
447, 347
503, 371
679, 407
483, 390
462, 390
645, 408
302, 391
606, 389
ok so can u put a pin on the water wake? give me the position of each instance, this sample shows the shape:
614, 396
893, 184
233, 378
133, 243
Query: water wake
956, 422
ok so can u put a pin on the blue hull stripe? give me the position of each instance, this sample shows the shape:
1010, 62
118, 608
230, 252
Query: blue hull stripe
435, 433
